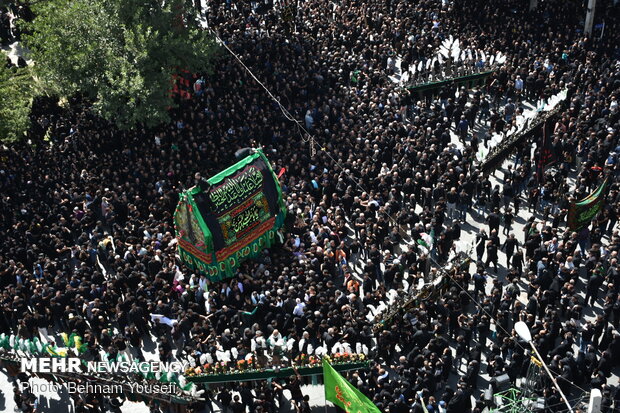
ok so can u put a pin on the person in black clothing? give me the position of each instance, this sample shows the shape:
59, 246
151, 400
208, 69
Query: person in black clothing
479, 282
225, 398
236, 406
508, 218
517, 261
509, 247
305, 405
460, 402
492, 256
481, 240
593, 286
494, 220
294, 386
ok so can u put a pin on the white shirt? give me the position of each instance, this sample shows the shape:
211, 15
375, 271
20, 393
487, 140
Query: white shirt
258, 342
275, 341
519, 84
299, 309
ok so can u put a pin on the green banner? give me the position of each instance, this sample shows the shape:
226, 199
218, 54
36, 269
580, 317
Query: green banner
343, 394
581, 213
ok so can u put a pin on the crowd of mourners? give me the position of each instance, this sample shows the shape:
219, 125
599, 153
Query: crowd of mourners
86, 210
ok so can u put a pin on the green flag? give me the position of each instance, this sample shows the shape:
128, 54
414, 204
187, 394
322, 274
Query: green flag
581, 213
342, 393
427, 240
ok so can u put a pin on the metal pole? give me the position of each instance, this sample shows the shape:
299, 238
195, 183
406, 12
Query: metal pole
587, 28
555, 383
324, 396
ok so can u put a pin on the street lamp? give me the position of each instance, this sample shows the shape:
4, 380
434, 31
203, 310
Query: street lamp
524, 332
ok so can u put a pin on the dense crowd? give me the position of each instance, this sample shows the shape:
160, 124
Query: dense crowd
87, 212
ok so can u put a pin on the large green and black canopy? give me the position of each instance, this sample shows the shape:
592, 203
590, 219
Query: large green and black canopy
230, 217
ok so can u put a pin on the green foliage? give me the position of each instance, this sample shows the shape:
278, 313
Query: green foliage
121, 54
16, 93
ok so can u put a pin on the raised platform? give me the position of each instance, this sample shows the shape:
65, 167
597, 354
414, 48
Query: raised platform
469, 81
273, 373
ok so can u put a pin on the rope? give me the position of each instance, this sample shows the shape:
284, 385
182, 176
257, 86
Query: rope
309, 138
305, 135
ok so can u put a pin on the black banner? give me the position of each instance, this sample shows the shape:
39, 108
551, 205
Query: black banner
239, 202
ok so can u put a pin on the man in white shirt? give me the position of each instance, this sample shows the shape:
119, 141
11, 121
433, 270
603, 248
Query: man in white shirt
519, 87
299, 308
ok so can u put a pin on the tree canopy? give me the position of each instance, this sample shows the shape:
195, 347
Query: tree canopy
16, 94
120, 54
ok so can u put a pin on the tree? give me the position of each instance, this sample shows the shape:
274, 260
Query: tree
16, 94
120, 54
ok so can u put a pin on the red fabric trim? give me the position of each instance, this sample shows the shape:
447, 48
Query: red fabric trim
189, 247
